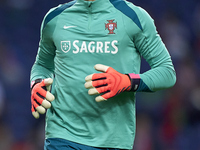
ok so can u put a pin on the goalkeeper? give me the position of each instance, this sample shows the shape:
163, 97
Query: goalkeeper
87, 72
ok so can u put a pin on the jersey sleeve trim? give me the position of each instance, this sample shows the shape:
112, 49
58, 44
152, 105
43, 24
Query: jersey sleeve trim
126, 10
143, 87
57, 11
137, 84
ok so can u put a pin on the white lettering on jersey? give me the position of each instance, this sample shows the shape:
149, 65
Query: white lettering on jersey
83, 47
114, 46
91, 47
107, 47
99, 47
76, 47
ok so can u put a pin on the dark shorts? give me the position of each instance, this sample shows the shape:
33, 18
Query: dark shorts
61, 144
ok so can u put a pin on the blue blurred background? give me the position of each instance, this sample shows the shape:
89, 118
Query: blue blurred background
166, 120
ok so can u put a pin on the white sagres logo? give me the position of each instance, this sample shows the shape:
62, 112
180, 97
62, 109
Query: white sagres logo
109, 47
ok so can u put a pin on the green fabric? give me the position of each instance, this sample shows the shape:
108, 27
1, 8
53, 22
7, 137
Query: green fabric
77, 38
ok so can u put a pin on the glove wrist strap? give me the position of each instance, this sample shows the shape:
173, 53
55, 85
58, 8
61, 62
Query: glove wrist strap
33, 83
135, 81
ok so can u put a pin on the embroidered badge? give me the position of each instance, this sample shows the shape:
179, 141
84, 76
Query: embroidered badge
65, 46
111, 26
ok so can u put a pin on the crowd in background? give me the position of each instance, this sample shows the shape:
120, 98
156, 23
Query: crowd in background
166, 120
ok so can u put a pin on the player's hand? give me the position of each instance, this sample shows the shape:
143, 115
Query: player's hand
110, 83
41, 97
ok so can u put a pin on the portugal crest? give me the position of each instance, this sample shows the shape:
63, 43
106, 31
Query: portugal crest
65, 46
111, 26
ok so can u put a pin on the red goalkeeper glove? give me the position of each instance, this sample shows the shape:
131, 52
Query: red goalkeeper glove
110, 82
41, 96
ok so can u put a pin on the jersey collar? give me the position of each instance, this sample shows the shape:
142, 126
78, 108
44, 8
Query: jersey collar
94, 6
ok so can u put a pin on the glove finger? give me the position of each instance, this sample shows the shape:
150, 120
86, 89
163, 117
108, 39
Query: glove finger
89, 77
88, 84
32, 108
36, 115
98, 83
40, 109
39, 90
96, 76
103, 89
91, 84
50, 97
46, 104
99, 99
100, 67
99, 76
93, 91
38, 99
48, 88
98, 90
107, 95
34, 112
34, 103
48, 81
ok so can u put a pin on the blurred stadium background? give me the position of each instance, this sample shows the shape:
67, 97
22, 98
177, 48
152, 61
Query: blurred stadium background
166, 120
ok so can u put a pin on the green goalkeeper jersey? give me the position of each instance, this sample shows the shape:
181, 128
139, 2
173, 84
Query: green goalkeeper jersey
77, 35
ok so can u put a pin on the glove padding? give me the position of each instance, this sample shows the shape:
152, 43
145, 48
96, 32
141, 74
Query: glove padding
41, 97
110, 83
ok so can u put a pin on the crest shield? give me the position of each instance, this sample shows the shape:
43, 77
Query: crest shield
111, 26
65, 46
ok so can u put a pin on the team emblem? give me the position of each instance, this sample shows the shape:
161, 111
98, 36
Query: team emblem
65, 46
111, 26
